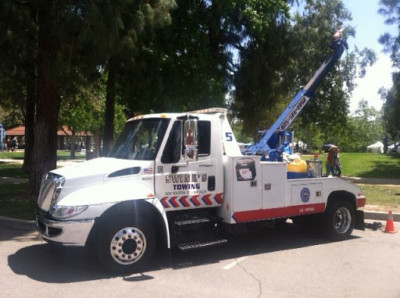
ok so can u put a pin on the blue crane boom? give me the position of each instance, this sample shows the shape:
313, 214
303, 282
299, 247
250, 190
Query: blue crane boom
264, 146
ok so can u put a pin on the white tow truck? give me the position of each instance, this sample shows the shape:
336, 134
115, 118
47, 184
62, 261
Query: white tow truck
179, 180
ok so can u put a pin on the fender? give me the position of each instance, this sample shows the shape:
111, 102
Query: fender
112, 192
157, 204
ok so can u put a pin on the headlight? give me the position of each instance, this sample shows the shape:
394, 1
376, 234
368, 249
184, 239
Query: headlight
64, 212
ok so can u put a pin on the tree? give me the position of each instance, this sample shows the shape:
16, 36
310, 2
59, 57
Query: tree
263, 78
315, 28
71, 40
189, 65
362, 129
272, 73
391, 108
123, 22
81, 112
286, 61
391, 10
17, 67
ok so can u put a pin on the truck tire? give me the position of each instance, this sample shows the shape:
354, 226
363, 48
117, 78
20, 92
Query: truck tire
339, 220
124, 245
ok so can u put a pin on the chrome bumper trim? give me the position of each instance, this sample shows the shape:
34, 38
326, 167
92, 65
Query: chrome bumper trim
64, 232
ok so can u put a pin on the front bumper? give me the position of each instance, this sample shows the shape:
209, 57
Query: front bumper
69, 232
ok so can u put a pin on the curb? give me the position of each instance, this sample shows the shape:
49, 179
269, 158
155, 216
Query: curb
376, 215
371, 180
30, 225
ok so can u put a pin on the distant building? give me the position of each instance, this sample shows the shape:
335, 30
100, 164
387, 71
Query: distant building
82, 139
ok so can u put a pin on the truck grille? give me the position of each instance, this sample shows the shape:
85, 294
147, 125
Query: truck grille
50, 190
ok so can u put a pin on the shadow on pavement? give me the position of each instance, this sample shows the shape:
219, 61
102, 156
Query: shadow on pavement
285, 237
52, 264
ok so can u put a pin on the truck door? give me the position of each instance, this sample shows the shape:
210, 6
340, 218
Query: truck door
189, 175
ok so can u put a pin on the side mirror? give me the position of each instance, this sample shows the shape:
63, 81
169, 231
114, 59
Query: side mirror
190, 139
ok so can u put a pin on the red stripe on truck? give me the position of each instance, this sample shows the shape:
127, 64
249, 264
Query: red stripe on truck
252, 215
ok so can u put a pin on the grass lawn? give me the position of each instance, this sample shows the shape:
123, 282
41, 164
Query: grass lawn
382, 197
367, 164
13, 170
19, 155
14, 202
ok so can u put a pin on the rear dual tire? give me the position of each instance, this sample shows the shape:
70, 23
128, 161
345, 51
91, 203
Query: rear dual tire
339, 220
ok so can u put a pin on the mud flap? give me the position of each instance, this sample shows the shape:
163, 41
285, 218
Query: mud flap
359, 224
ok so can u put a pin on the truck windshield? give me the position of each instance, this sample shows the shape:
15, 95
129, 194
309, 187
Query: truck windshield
140, 139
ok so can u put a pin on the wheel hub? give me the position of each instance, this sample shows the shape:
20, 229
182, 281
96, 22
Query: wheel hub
128, 245
342, 220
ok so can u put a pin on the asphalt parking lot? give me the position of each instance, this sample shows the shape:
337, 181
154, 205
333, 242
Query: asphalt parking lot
285, 262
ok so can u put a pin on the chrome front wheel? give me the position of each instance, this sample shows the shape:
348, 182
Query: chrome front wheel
123, 244
128, 245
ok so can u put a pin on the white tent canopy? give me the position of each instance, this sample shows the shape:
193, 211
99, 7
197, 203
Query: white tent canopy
376, 147
393, 147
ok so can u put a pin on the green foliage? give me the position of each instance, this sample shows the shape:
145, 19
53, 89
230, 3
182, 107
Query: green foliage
314, 31
240, 134
50, 48
391, 109
259, 87
83, 109
391, 10
363, 129
17, 30
272, 72
175, 69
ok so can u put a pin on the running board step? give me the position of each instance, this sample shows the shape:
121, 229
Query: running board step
192, 221
197, 245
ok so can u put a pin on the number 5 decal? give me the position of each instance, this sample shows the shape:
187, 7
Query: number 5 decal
228, 136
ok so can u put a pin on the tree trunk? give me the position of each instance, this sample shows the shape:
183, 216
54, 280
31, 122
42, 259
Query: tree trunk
44, 157
72, 147
30, 103
96, 144
29, 117
214, 27
308, 137
108, 136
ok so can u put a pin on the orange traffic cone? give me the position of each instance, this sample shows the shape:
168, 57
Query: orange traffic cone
390, 224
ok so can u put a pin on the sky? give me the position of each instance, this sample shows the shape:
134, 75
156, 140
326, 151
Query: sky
369, 25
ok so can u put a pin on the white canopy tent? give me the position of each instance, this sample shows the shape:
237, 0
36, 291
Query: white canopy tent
376, 147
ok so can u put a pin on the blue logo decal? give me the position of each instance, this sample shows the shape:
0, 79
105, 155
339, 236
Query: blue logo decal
305, 195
